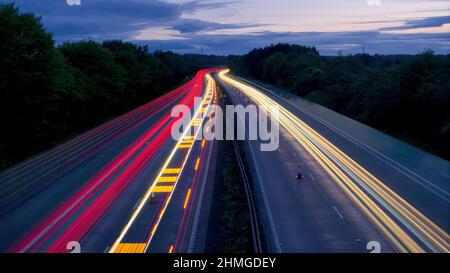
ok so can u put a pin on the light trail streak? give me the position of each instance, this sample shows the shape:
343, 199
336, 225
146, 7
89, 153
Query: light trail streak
69, 155
188, 194
85, 205
363, 188
52, 223
183, 226
197, 163
197, 115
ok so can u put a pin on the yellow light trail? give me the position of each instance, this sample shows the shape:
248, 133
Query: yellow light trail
360, 185
162, 189
197, 163
197, 114
171, 171
153, 230
186, 201
130, 248
168, 179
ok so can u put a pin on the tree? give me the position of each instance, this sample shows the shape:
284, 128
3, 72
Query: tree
102, 78
48, 94
406, 96
33, 83
147, 76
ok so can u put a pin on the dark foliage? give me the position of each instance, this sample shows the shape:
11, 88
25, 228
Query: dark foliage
48, 93
406, 96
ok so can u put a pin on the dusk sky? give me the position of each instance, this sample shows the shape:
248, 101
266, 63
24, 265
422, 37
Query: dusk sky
235, 27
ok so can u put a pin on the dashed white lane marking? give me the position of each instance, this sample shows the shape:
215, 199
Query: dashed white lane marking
106, 250
338, 212
293, 152
312, 177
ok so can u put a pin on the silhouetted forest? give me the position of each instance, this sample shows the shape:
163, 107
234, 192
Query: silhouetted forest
405, 96
50, 93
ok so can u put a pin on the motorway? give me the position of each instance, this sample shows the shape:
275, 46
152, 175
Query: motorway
125, 186
341, 205
129, 186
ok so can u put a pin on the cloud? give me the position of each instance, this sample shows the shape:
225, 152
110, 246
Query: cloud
194, 25
192, 6
101, 19
110, 19
137, 9
421, 23
161, 25
328, 43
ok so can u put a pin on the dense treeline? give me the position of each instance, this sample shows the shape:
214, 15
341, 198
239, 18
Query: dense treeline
406, 96
49, 93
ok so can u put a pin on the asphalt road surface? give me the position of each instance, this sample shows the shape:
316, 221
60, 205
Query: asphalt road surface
348, 196
126, 186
